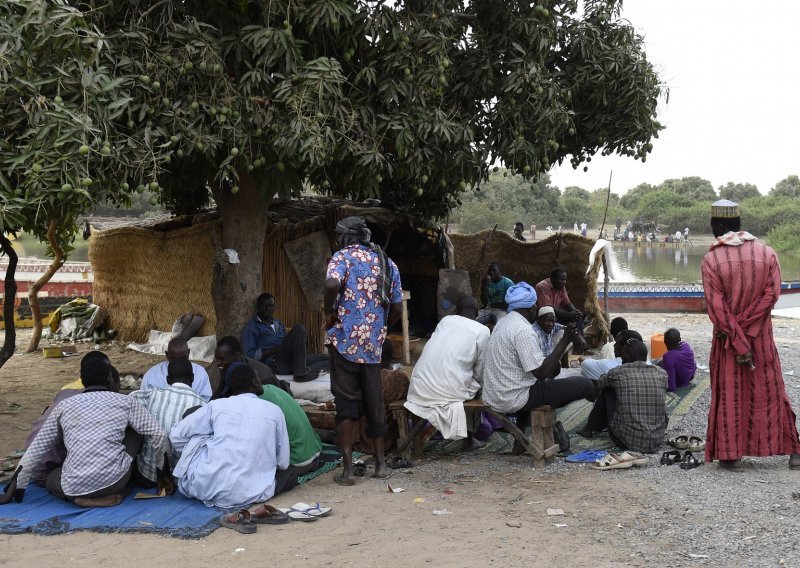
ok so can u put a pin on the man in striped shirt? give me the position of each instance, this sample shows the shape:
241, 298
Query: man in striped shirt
102, 433
168, 406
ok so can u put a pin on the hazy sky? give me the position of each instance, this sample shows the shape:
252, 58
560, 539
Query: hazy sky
734, 104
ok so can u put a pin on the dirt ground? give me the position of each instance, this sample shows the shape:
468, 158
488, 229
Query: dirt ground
455, 511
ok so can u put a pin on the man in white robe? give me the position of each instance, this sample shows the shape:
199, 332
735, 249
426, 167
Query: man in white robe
450, 371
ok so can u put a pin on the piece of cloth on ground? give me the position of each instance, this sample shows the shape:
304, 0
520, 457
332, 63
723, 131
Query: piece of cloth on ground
44, 514
200, 348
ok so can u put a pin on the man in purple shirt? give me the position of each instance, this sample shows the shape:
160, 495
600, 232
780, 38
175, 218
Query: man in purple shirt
678, 361
363, 298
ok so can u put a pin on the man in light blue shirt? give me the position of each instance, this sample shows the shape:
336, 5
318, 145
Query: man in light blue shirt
234, 449
596, 368
177, 349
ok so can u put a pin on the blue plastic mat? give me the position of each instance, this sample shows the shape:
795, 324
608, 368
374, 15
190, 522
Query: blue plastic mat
43, 514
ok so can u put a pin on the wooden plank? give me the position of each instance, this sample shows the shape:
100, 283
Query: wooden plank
406, 345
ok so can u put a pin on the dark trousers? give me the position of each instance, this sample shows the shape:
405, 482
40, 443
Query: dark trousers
355, 386
285, 479
291, 358
556, 393
605, 406
133, 443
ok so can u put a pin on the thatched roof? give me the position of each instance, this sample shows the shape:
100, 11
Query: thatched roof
532, 262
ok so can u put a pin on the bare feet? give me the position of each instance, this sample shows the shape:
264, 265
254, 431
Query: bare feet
473, 444
108, 501
732, 465
381, 471
345, 479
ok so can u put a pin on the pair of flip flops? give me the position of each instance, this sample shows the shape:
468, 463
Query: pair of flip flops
625, 460
686, 461
246, 521
305, 513
691, 443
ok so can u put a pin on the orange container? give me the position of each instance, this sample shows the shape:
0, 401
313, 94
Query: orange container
657, 346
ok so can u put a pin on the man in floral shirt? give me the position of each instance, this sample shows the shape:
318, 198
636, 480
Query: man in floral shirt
363, 298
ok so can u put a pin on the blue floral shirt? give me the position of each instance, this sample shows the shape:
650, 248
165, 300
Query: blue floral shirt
361, 331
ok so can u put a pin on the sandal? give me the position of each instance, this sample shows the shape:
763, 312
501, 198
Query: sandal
681, 442
611, 461
268, 515
239, 521
689, 461
696, 444
299, 515
671, 457
314, 510
634, 457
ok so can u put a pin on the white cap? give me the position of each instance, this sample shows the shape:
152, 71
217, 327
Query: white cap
546, 310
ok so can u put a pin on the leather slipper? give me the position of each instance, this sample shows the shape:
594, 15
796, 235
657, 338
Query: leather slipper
696, 444
689, 461
671, 457
268, 515
239, 521
611, 461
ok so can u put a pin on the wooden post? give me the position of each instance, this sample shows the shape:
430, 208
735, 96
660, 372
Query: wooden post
406, 345
605, 289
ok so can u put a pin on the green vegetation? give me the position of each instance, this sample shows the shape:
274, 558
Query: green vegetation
672, 205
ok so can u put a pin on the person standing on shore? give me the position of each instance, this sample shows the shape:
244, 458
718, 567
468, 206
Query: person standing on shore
750, 412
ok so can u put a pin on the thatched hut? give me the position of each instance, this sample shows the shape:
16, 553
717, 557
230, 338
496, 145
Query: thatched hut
149, 274
533, 261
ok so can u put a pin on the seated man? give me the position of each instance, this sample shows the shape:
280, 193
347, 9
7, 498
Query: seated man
304, 443
548, 333
493, 295
265, 339
631, 402
516, 376
167, 405
596, 368
55, 457
229, 351
99, 430
553, 292
678, 361
616, 325
232, 449
177, 350
449, 372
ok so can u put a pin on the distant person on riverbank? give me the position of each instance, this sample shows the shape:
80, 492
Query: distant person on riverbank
678, 361
533, 232
686, 234
750, 413
584, 229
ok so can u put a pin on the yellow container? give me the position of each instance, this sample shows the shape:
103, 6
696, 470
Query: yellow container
657, 346
51, 352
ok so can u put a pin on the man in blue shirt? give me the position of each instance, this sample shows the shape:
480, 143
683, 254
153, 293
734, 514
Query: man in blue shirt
265, 339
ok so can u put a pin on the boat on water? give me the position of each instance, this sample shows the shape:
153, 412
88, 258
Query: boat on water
651, 297
72, 280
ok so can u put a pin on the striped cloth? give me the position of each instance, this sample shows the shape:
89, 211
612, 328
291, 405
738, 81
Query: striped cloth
167, 405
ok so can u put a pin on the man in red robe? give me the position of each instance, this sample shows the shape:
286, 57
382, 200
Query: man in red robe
750, 411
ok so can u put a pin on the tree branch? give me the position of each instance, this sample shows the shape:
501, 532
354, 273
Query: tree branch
9, 296
33, 297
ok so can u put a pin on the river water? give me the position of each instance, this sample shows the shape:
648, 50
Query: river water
677, 264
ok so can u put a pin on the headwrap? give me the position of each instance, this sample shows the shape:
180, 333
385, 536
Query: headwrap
353, 230
546, 310
520, 295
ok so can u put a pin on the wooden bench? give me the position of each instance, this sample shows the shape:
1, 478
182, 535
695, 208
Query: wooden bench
540, 445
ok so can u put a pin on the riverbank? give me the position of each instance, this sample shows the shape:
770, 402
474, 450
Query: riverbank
496, 504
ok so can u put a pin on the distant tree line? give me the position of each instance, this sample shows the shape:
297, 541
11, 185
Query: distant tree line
672, 205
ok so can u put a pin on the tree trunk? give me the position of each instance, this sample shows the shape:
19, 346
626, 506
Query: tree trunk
238, 282
33, 293
9, 296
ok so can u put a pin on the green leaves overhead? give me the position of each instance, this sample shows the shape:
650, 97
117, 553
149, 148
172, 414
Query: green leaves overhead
409, 102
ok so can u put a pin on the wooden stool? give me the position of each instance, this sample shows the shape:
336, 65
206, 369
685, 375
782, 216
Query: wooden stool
543, 420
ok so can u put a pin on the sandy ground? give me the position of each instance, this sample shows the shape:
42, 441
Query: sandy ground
496, 504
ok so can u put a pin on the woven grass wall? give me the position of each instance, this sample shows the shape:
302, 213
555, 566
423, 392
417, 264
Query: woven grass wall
280, 279
532, 262
146, 279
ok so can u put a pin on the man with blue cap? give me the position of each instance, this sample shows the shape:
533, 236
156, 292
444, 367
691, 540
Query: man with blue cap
517, 377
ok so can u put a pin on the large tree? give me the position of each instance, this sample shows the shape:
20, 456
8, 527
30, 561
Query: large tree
788, 187
243, 101
738, 192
